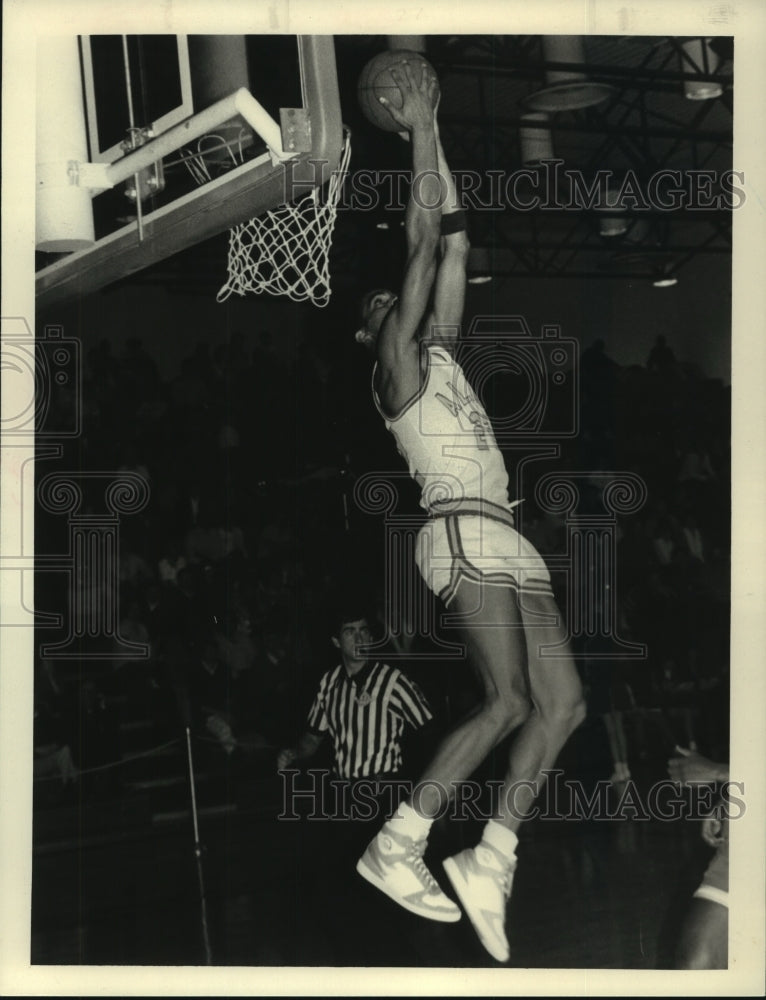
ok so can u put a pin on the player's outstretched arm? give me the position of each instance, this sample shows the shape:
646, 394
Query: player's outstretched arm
423, 213
449, 292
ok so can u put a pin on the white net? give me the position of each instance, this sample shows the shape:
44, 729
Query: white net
286, 251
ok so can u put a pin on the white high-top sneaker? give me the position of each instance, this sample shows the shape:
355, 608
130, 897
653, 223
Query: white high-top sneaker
482, 878
393, 863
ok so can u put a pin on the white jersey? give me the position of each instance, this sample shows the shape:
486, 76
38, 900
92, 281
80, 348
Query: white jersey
445, 436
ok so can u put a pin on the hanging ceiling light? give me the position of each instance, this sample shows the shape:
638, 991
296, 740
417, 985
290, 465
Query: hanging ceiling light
699, 56
664, 277
649, 264
480, 279
479, 267
566, 90
535, 138
614, 223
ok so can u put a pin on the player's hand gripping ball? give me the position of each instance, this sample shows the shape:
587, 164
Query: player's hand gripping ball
376, 81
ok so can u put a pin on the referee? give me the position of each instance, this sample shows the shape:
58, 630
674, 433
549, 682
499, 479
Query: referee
364, 706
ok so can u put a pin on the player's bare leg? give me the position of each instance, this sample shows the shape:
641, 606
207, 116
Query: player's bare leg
558, 708
482, 876
393, 861
522, 689
496, 651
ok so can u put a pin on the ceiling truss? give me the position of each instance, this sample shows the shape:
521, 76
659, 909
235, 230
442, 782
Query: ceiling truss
644, 128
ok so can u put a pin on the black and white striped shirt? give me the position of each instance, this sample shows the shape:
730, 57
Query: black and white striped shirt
365, 716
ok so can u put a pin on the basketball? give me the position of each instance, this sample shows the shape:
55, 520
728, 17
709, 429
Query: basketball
375, 81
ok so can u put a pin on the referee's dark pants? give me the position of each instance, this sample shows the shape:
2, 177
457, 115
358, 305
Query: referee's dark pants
346, 910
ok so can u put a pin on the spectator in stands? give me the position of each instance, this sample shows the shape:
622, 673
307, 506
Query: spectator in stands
703, 940
661, 357
172, 561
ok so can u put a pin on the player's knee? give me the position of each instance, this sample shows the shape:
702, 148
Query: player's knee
577, 712
565, 714
504, 713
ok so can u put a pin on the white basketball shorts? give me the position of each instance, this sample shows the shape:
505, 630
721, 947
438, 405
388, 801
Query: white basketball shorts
476, 540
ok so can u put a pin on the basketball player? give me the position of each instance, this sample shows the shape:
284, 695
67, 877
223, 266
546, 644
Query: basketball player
468, 553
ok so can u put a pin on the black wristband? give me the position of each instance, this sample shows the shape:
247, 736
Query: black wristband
453, 222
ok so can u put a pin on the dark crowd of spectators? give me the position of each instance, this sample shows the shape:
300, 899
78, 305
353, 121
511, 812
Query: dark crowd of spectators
225, 572
669, 425
251, 533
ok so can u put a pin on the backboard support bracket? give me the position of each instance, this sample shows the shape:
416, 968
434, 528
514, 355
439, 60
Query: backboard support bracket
296, 130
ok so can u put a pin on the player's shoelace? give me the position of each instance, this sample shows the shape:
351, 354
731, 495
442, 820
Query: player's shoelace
415, 856
506, 880
503, 876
